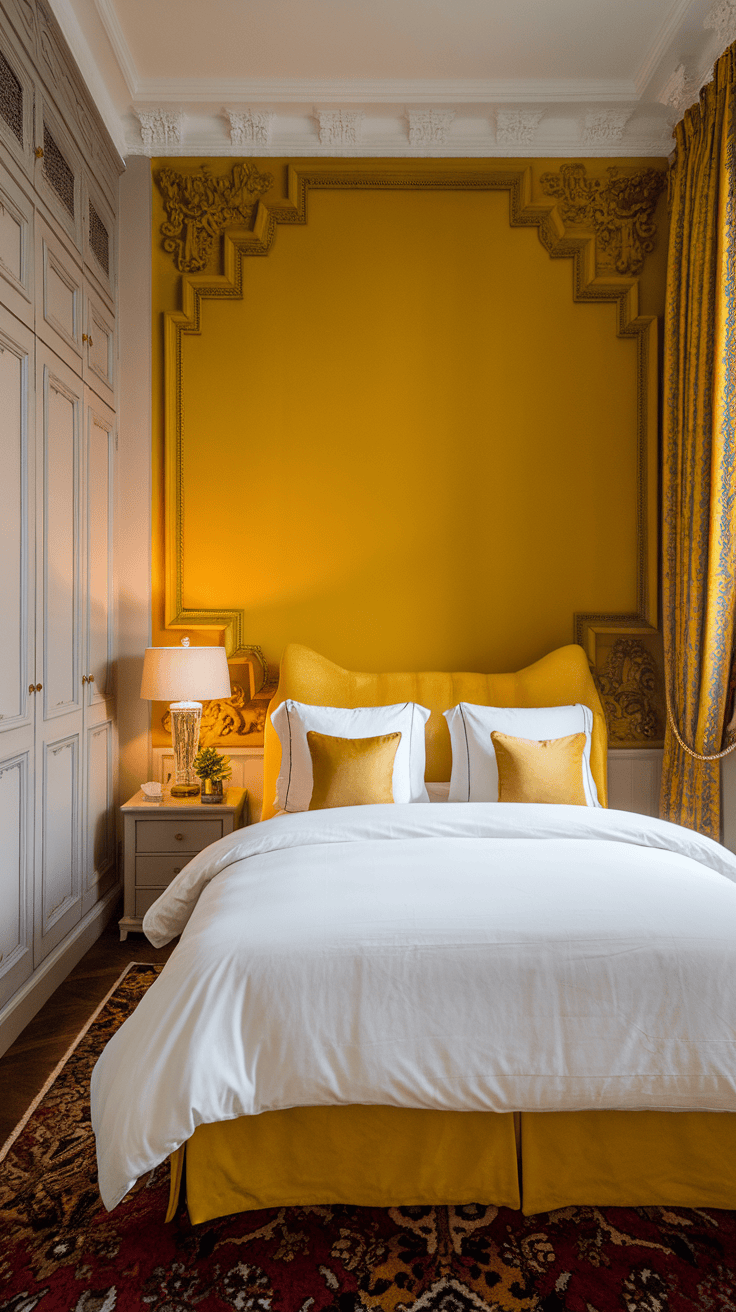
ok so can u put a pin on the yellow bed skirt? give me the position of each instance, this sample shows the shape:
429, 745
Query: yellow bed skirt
391, 1156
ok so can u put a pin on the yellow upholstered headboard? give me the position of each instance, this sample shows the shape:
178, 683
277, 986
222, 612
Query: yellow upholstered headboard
559, 679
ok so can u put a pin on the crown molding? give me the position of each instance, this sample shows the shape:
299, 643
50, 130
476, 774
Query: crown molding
387, 91
120, 47
658, 49
522, 117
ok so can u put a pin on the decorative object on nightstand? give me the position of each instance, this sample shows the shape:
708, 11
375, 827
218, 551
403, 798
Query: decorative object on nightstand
213, 769
159, 838
185, 676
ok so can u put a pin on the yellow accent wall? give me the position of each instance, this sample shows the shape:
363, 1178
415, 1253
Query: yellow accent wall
407, 445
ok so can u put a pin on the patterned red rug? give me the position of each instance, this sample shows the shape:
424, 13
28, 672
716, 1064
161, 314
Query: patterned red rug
61, 1252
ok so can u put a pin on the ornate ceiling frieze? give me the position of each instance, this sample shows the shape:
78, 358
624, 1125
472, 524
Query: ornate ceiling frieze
618, 209
340, 127
199, 206
250, 127
516, 127
679, 91
160, 128
603, 127
722, 19
429, 127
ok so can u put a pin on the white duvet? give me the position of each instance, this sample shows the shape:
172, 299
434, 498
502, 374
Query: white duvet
477, 957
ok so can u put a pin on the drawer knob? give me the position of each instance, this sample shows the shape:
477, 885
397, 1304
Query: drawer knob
177, 870
178, 837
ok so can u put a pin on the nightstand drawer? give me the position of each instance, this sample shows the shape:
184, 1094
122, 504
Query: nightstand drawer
145, 898
176, 835
157, 871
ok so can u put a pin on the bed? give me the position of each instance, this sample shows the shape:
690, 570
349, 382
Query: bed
558, 1028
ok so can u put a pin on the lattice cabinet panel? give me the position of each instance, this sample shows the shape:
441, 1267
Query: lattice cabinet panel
11, 99
58, 172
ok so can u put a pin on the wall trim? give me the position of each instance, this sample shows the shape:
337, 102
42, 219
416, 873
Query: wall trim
591, 282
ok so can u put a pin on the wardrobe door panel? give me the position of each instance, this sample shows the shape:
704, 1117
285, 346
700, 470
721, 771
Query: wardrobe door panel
59, 627
59, 706
17, 667
16, 250
99, 831
59, 906
16, 873
99, 819
17, 515
59, 297
99, 616
99, 344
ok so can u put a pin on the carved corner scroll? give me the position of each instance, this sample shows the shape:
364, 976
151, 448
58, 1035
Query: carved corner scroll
200, 206
627, 662
605, 226
619, 210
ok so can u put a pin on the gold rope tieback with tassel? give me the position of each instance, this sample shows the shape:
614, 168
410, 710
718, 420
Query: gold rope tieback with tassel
698, 756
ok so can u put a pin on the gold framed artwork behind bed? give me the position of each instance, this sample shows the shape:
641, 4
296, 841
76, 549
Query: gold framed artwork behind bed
393, 1156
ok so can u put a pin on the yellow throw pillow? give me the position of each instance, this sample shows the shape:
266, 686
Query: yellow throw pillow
547, 771
351, 771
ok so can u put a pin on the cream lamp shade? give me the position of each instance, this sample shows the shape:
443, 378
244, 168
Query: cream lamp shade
185, 674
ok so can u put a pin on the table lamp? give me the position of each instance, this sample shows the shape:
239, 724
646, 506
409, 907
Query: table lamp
185, 676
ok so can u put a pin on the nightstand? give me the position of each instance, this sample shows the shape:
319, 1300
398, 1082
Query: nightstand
159, 838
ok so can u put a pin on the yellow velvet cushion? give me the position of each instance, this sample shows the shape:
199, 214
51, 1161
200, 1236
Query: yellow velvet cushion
351, 771
550, 770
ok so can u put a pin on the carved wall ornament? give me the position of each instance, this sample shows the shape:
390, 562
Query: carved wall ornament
516, 127
618, 209
722, 18
250, 127
679, 91
340, 127
601, 127
160, 128
199, 206
629, 686
235, 721
429, 127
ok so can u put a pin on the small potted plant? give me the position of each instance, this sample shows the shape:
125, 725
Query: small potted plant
212, 769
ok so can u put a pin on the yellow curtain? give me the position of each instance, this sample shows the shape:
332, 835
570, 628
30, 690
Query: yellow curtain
699, 460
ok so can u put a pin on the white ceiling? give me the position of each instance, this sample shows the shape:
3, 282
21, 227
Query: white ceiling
504, 77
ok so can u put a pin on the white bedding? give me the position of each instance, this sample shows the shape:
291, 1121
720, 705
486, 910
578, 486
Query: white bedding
476, 957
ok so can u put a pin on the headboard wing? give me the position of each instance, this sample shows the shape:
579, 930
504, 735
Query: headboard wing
559, 679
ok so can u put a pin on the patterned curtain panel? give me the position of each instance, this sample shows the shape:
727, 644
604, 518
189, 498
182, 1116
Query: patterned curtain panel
699, 460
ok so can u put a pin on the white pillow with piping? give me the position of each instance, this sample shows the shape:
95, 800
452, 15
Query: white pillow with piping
474, 773
293, 721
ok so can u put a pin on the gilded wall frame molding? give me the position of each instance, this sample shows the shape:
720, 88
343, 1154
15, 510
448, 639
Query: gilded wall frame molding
591, 282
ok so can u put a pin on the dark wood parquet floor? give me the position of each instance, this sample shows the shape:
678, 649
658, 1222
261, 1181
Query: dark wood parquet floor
30, 1060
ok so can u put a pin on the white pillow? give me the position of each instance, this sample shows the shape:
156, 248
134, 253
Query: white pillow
474, 772
293, 720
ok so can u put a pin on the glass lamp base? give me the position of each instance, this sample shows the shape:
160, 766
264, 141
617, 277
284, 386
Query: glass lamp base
185, 722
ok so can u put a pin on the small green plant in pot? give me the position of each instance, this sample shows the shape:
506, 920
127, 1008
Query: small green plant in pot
213, 769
